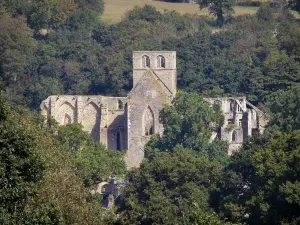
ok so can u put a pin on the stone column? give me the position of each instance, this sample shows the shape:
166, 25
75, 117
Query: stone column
52, 108
79, 109
104, 125
249, 123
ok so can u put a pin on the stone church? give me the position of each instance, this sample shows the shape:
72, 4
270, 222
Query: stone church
126, 123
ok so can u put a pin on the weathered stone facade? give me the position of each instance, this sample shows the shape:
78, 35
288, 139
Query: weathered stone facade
102, 117
128, 122
123, 122
241, 119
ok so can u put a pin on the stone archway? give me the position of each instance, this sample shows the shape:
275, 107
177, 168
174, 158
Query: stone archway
148, 122
66, 114
91, 120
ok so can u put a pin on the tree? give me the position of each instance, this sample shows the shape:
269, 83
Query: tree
261, 183
61, 12
16, 48
217, 8
147, 13
95, 163
265, 12
284, 107
288, 37
198, 217
14, 7
41, 13
21, 167
94, 5
46, 14
188, 122
177, 169
38, 178
163, 189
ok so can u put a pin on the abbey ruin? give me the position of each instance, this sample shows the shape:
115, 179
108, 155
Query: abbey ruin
126, 123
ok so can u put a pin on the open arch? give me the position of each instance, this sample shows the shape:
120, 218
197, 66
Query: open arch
148, 122
161, 61
146, 61
234, 136
66, 114
67, 119
91, 120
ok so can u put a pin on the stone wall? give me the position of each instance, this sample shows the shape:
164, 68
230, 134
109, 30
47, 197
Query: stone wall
241, 119
166, 73
154, 84
144, 104
102, 117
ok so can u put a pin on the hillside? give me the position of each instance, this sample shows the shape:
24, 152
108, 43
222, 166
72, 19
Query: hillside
115, 9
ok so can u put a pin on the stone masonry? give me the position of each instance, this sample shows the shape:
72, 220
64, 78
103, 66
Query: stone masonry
126, 123
241, 119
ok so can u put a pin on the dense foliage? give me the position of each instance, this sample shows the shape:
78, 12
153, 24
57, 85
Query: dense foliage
218, 8
285, 108
190, 122
167, 187
94, 161
180, 168
252, 55
39, 180
261, 183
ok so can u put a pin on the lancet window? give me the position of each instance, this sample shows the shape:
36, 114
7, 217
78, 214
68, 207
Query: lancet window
67, 119
146, 61
148, 122
234, 136
161, 61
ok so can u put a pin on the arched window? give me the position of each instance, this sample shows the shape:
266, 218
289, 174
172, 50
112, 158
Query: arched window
148, 122
146, 61
161, 62
234, 136
120, 104
67, 119
118, 141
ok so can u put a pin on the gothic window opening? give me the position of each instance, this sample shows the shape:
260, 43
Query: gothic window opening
161, 62
67, 119
146, 61
148, 122
118, 141
234, 136
120, 105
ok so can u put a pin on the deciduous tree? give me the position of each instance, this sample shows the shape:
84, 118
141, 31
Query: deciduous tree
218, 8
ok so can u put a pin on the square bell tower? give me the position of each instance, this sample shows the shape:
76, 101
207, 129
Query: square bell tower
161, 63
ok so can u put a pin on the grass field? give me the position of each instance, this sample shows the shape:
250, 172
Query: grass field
115, 9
